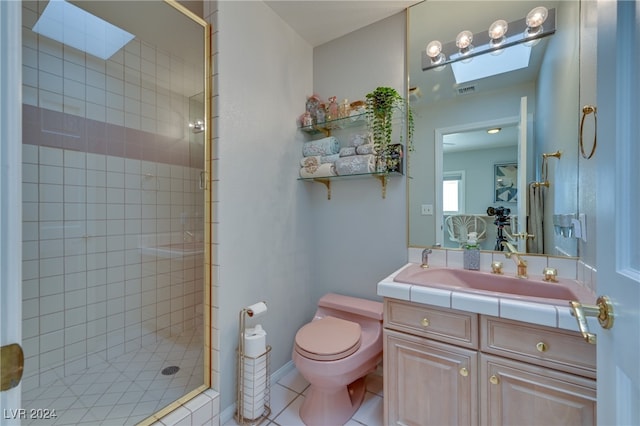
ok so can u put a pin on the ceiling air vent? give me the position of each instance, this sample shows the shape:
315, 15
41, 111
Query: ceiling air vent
466, 90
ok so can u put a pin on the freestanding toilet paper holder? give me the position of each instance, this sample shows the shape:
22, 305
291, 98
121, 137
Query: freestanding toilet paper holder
252, 378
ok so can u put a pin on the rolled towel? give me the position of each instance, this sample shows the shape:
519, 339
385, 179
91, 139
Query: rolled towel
365, 149
329, 158
347, 151
325, 146
358, 139
311, 161
318, 159
356, 164
323, 170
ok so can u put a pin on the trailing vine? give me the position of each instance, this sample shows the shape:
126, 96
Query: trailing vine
380, 106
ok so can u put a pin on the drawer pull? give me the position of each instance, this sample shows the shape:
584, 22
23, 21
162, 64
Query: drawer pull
494, 380
425, 322
542, 347
464, 372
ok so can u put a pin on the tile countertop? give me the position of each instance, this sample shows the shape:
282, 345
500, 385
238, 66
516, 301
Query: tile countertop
556, 316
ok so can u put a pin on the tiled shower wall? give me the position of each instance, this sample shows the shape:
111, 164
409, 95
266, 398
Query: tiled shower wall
108, 170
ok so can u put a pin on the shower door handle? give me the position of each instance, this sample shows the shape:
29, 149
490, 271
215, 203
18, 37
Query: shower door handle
11, 366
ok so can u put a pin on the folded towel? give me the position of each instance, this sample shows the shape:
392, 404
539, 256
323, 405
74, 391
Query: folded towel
347, 151
365, 149
356, 164
358, 139
325, 146
323, 170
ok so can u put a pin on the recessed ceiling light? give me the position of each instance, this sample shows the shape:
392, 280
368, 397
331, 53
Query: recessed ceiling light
494, 130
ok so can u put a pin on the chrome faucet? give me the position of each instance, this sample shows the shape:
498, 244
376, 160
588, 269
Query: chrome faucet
513, 254
425, 257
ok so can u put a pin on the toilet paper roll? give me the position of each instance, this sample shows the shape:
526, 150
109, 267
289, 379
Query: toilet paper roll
256, 309
255, 341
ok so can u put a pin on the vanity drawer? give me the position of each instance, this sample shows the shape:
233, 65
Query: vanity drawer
446, 325
548, 347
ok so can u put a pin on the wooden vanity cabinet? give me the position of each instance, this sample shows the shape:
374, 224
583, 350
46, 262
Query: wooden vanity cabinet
534, 375
485, 370
428, 380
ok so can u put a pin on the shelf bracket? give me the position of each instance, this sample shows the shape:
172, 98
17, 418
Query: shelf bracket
325, 130
383, 181
327, 183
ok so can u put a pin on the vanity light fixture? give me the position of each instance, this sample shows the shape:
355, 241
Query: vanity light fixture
526, 31
494, 130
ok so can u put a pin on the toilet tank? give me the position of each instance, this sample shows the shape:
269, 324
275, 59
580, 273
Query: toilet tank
353, 305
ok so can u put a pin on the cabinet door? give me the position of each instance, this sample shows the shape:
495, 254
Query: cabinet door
428, 383
515, 393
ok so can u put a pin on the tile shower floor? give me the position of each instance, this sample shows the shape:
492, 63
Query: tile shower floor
289, 393
125, 390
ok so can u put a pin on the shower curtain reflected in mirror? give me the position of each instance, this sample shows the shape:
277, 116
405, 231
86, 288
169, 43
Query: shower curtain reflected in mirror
113, 217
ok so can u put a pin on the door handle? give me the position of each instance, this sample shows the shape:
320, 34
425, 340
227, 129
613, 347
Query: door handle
603, 310
11, 366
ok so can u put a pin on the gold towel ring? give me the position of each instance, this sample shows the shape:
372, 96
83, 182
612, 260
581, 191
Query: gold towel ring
586, 110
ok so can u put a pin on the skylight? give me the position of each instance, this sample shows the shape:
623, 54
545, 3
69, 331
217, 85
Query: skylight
75, 27
486, 65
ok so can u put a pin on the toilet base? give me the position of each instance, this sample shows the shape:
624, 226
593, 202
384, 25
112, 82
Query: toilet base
334, 406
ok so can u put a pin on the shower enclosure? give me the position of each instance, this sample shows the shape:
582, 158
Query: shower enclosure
114, 216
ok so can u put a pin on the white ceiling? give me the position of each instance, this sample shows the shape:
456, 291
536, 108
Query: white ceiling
320, 21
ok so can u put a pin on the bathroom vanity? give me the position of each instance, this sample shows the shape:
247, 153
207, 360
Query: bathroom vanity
462, 360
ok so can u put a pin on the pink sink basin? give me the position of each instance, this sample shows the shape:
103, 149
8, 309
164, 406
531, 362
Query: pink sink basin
533, 288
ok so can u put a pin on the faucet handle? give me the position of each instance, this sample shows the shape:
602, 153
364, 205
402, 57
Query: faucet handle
425, 257
496, 267
550, 275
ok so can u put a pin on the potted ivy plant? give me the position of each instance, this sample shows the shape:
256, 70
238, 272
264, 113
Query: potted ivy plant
380, 107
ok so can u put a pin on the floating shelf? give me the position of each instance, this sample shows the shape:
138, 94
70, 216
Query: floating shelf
340, 123
326, 181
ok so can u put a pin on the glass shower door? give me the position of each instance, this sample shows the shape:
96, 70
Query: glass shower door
113, 223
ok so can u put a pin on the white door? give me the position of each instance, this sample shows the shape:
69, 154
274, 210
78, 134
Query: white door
10, 193
618, 204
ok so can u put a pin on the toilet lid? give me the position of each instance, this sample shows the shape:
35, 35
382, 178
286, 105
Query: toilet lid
328, 339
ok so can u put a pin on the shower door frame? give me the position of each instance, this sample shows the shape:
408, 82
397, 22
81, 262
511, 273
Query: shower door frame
208, 219
10, 185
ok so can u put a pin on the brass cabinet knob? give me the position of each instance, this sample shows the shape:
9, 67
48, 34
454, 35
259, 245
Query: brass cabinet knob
542, 347
464, 372
425, 322
494, 380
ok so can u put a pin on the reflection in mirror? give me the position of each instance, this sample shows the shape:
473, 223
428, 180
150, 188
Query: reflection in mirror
449, 113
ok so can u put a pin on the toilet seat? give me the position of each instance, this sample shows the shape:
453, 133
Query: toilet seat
328, 339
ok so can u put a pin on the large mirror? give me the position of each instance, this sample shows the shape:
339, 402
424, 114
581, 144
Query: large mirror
457, 170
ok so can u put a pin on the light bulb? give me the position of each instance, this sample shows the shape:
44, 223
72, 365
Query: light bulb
537, 16
434, 48
434, 51
498, 29
464, 39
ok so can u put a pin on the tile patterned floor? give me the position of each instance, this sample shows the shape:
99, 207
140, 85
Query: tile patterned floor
289, 393
125, 390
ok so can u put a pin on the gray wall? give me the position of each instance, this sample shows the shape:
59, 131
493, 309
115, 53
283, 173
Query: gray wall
264, 228
359, 238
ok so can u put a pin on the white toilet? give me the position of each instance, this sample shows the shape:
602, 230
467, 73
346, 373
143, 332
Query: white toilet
334, 352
